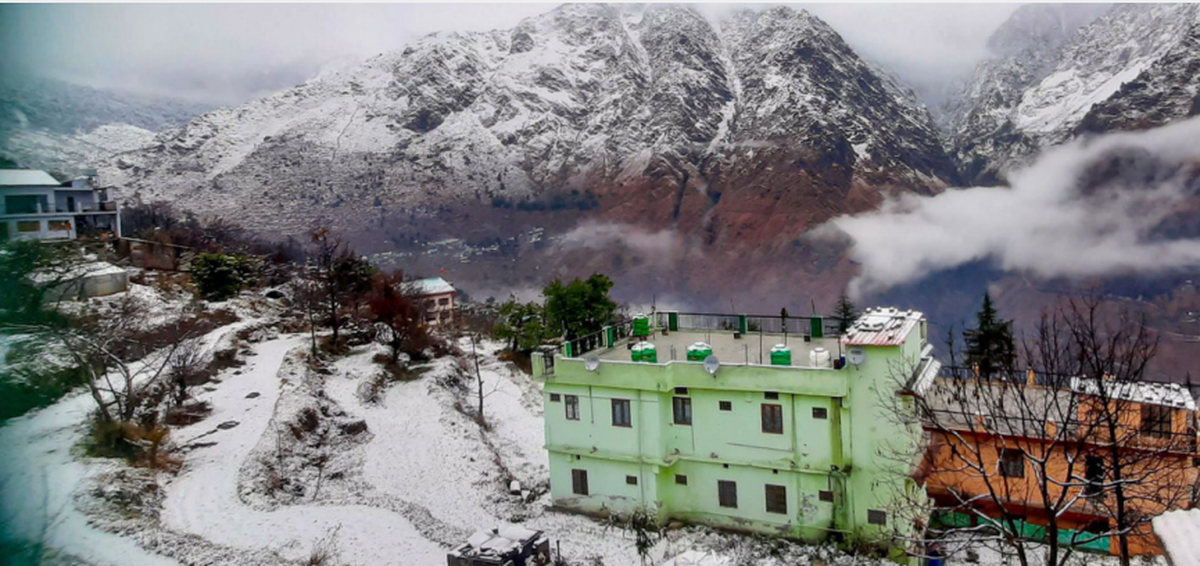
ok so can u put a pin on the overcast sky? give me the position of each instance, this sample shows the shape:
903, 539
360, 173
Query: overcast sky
226, 54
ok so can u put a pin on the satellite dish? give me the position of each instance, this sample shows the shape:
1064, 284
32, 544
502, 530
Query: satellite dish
856, 356
591, 362
711, 364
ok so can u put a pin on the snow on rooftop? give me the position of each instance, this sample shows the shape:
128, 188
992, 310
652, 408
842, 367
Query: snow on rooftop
1166, 394
26, 178
1179, 532
497, 542
883, 326
429, 286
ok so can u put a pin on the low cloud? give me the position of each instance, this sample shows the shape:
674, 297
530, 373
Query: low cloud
595, 235
1099, 206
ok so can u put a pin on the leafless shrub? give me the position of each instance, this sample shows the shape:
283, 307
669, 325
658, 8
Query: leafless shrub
186, 369
188, 413
325, 550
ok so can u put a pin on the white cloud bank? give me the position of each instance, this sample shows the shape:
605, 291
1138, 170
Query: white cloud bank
1086, 208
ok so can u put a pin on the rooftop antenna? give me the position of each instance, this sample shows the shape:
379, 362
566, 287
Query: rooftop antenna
783, 316
760, 342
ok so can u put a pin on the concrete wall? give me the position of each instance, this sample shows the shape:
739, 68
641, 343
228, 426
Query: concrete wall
98, 284
48, 228
45, 194
855, 453
83, 199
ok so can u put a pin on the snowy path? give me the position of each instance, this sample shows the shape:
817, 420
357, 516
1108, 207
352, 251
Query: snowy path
38, 479
204, 500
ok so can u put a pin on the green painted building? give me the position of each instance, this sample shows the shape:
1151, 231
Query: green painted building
805, 445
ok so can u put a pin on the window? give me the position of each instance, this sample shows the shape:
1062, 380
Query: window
726, 405
631, 480
1093, 472
825, 495
29, 226
681, 391
776, 499
820, 413
443, 302
772, 419
727, 493
620, 413
572, 407
58, 225
579, 484
1012, 463
680, 479
555, 397
1156, 420
682, 407
876, 517
771, 395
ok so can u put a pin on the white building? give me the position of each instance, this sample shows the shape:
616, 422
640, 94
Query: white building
436, 297
35, 206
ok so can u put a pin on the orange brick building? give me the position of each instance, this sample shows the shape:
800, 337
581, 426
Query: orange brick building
981, 465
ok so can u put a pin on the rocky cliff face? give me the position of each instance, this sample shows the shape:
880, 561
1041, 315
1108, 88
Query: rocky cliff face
652, 115
1059, 70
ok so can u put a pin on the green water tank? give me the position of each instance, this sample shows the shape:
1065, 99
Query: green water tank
781, 355
641, 325
649, 353
698, 351
635, 353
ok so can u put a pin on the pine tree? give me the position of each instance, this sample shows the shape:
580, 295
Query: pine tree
990, 346
845, 312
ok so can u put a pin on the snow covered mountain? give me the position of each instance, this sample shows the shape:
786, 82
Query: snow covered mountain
1059, 70
653, 115
59, 126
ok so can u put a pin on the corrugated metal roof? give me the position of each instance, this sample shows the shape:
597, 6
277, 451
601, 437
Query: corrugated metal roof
26, 178
884, 326
430, 286
1145, 392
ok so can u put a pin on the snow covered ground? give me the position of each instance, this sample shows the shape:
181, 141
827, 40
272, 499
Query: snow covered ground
425, 475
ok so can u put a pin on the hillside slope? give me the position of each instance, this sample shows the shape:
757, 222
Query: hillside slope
586, 106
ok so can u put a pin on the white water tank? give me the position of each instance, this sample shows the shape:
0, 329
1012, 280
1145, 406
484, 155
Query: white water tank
819, 357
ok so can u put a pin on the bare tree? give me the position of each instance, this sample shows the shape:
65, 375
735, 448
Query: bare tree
186, 369
342, 277
398, 314
1144, 438
1014, 455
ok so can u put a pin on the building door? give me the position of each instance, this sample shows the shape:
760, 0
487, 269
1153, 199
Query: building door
70, 204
